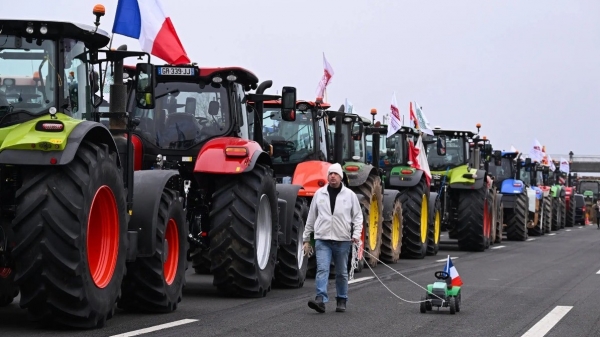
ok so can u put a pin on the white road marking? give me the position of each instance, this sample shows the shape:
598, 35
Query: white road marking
568, 230
155, 328
360, 279
446, 259
598, 272
579, 227
552, 234
548, 322
531, 239
498, 247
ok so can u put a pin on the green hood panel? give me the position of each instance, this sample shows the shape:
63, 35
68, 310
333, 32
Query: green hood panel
24, 136
455, 175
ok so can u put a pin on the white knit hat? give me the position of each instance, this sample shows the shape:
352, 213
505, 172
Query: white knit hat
336, 168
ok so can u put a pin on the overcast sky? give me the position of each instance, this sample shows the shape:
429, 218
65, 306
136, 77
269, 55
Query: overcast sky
524, 69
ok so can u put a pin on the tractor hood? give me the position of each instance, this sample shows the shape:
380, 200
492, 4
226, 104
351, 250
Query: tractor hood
42, 134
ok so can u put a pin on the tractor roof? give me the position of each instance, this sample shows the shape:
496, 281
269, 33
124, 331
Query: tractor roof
298, 102
509, 154
405, 129
56, 30
454, 132
244, 76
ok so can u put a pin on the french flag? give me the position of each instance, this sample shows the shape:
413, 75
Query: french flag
451, 270
146, 21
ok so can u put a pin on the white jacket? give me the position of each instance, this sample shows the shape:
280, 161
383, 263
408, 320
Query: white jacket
347, 216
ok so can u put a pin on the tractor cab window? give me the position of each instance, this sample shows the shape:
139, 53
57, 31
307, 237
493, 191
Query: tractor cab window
539, 177
352, 149
28, 75
76, 79
293, 141
392, 150
505, 170
185, 115
588, 186
455, 154
525, 176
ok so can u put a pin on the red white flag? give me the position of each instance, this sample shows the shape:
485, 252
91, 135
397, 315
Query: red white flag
327, 75
413, 118
395, 120
418, 158
451, 270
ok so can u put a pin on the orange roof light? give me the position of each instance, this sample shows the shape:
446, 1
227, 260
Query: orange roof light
99, 10
484, 137
478, 125
373, 111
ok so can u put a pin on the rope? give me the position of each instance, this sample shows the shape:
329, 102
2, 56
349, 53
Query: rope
355, 265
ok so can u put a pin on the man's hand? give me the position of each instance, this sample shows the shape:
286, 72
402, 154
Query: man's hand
307, 248
354, 240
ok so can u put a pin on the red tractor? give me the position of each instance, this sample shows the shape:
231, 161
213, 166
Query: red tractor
241, 223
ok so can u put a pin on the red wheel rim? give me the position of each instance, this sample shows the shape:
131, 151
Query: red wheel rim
103, 237
486, 220
172, 244
361, 248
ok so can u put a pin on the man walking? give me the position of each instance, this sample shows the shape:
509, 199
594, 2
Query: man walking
336, 219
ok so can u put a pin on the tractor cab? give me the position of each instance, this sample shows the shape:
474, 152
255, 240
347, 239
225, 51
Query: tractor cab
297, 141
456, 151
45, 69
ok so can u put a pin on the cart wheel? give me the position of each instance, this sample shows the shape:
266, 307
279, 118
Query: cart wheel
452, 305
458, 303
423, 307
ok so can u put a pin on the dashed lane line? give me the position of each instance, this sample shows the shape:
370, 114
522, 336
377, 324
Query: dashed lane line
544, 325
498, 247
155, 328
360, 279
446, 259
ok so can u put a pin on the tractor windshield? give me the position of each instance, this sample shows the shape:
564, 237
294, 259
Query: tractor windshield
28, 75
525, 176
185, 115
352, 149
293, 141
455, 154
392, 150
588, 186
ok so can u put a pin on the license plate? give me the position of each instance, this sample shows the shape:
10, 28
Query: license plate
177, 71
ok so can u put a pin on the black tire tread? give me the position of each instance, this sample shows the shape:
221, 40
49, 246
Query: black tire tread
287, 273
388, 253
411, 199
470, 220
516, 221
432, 246
372, 186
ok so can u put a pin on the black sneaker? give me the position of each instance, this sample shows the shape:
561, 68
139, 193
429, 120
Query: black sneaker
317, 304
341, 305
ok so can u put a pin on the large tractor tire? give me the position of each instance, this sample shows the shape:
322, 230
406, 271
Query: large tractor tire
556, 216
473, 225
8, 288
537, 229
243, 233
547, 216
155, 283
201, 261
435, 220
563, 212
415, 209
499, 222
290, 272
516, 219
571, 212
372, 202
392, 234
70, 228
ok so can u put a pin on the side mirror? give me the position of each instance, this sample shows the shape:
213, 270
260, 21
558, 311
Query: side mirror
357, 130
488, 148
498, 157
288, 104
527, 162
145, 82
441, 145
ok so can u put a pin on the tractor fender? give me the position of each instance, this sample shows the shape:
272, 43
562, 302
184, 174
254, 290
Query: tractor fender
311, 175
86, 130
477, 184
405, 180
286, 194
389, 197
508, 186
360, 177
147, 190
212, 157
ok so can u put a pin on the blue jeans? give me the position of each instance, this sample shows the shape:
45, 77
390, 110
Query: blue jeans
325, 250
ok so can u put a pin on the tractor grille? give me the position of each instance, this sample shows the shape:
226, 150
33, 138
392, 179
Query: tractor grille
439, 292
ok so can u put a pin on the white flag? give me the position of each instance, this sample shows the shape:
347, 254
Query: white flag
395, 121
564, 165
326, 79
551, 163
421, 162
348, 107
422, 120
536, 153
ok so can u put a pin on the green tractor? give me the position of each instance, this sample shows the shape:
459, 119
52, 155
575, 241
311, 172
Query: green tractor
81, 231
421, 207
441, 294
589, 188
458, 164
559, 202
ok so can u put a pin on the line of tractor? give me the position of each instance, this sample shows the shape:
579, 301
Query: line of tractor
107, 196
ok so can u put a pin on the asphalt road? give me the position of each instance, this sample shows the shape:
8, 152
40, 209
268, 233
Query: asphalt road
545, 287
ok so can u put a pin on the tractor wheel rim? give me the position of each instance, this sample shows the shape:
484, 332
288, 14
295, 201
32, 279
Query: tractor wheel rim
264, 224
300, 249
103, 237
395, 231
424, 218
486, 220
436, 226
373, 222
172, 251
